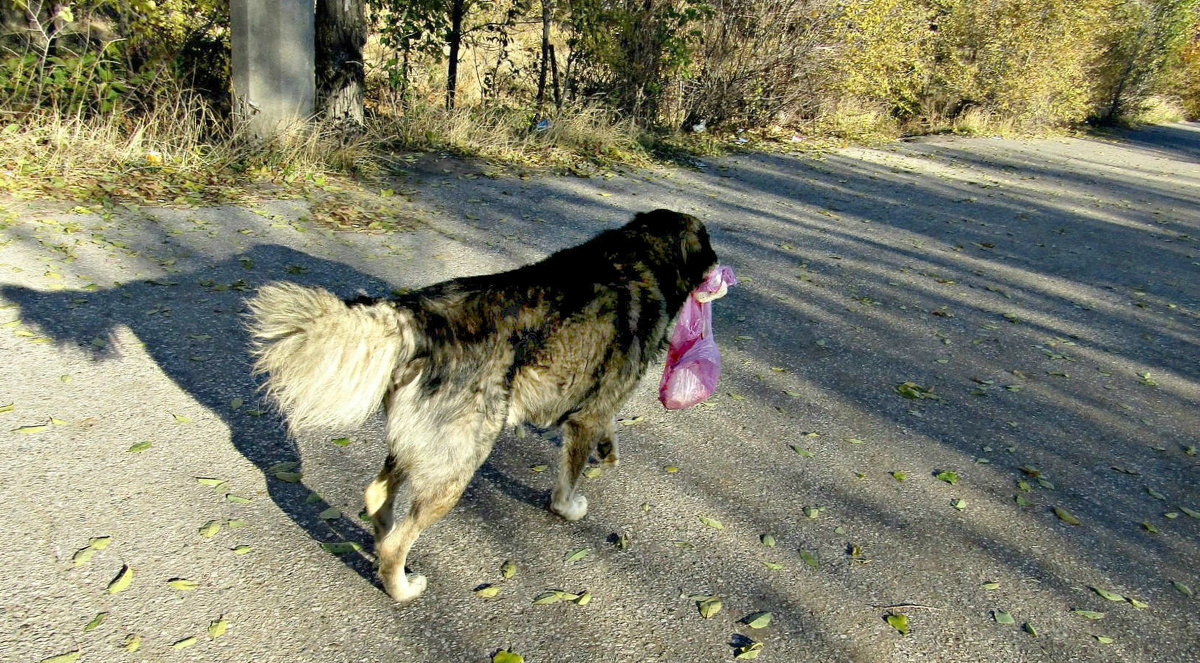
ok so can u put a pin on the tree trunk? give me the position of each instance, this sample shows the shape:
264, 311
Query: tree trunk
541, 95
554, 72
457, 9
341, 32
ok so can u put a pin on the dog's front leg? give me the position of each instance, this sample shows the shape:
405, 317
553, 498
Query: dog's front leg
606, 447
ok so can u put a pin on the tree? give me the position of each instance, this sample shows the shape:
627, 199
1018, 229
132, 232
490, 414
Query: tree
458, 9
341, 32
541, 90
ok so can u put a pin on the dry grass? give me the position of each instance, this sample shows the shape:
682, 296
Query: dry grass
1155, 110
501, 133
176, 140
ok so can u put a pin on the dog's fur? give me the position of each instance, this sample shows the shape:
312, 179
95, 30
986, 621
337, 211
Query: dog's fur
560, 343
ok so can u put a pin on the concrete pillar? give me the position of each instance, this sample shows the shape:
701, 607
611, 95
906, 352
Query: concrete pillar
273, 74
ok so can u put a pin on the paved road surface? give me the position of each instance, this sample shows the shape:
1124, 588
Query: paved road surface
1046, 292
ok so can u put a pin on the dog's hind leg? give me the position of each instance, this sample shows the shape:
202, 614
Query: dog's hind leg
438, 465
579, 435
430, 501
380, 495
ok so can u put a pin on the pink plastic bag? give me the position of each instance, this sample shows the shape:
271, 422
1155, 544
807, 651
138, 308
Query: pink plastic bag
693, 359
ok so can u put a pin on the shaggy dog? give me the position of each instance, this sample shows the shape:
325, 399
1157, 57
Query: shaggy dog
559, 343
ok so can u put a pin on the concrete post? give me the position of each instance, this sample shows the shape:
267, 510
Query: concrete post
273, 73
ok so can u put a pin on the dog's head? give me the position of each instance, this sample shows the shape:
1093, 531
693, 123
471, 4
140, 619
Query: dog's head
684, 240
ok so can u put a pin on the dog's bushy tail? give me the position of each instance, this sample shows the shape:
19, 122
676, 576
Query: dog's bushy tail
327, 364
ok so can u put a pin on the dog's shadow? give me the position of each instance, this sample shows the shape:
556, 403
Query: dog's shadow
192, 324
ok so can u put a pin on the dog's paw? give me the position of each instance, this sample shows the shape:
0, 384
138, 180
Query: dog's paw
574, 510
405, 589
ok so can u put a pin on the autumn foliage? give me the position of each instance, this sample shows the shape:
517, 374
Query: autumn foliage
833, 67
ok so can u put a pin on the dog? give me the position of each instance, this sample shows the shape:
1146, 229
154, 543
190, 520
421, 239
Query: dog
558, 344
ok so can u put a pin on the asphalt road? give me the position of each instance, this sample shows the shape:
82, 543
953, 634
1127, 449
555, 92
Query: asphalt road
1042, 297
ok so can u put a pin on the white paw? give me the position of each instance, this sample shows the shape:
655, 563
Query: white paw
406, 588
574, 510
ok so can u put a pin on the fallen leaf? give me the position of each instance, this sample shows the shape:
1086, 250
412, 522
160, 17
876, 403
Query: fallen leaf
236, 499
1111, 596
241, 550
898, 622
122, 581
949, 477
184, 643
711, 522
758, 619
809, 558
709, 607
96, 621
139, 447
622, 541
768, 540
83, 556
554, 596
748, 650
210, 529
217, 627
577, 555
69, 657
1066, 517
1003, 617
210, 482
132, 643
341, 547
508, 569
1088, 614
914, 391
506, 656
332, 513
1181, 588
289, 477
183, 584
487, 591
